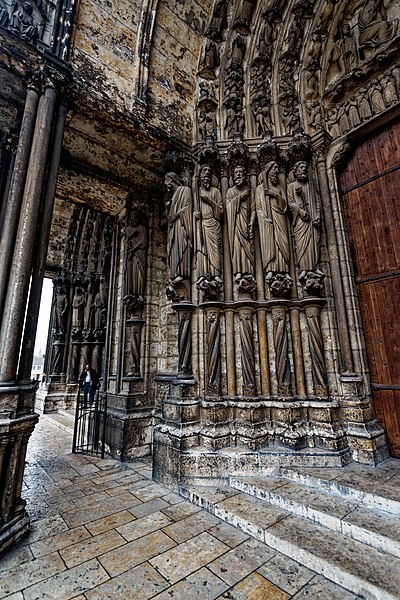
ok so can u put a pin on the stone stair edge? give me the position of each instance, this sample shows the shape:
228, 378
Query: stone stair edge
382, 538
338, 574
368, 499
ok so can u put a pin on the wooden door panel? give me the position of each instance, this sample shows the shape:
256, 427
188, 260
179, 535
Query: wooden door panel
373, 214
378, 154
370, 186
387, 409
382, 299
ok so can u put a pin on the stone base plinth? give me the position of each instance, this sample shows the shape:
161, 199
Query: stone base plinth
17, 421
169, 444
129, 435
198, 465
14, 530
52, 396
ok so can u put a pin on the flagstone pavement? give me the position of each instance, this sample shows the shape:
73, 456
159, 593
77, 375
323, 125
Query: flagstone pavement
104, 530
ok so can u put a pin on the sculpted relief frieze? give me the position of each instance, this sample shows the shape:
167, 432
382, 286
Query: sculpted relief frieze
46, 24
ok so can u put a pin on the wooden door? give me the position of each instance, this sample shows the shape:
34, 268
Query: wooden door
370, 186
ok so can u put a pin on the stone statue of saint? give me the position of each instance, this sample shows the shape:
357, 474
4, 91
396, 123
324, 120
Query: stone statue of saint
374, 29
344, 52
98, 307
210, 61
78, 307
218, 21
305, 209
179, 214
240, 217
60, 309
271, 208
136, 247
208, 215
22, 22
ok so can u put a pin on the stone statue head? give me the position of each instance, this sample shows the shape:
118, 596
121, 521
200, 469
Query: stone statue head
272, 171
205, 176
172, 182
239, 175
28, 8
300, 170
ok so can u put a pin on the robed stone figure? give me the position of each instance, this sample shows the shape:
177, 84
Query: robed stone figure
208, 215
305, 209
136, 251
271, 208
179, 215
240, 216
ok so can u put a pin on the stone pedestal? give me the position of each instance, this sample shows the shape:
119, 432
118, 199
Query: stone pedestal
365, 436
129, 422
177, 432
17, 421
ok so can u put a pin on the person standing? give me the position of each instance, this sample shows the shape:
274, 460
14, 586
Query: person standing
88, 382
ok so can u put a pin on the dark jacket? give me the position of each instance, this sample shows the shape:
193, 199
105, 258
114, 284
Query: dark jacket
94, 377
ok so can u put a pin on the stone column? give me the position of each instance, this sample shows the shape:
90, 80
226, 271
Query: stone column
213, 381
297, 351
261, 313
281, 344
334, 262
316, 346
16, 190
185, 340
18, 419
228, 291
247, 352
43, 237
18, 285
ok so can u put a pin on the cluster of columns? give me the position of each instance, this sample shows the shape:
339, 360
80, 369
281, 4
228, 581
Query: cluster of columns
28, 200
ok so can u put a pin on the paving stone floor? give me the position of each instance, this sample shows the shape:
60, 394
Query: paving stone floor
102, 529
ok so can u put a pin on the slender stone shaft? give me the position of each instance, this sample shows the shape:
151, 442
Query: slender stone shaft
340, 305
16, 191
39, 265
229, 314
15, 304
297, 352
265, 376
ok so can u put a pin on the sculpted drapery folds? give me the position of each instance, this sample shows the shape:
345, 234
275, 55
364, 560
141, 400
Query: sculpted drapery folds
374, 29
78, 307
240, 216
305, 208
60, 310
179, 214
136, 250
271, 208
208, 215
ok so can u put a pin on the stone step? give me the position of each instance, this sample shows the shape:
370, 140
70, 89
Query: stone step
352, 564
61, 421
365, 485
69, 413
376, 528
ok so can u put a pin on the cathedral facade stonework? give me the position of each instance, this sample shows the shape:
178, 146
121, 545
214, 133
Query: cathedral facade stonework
212, 188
